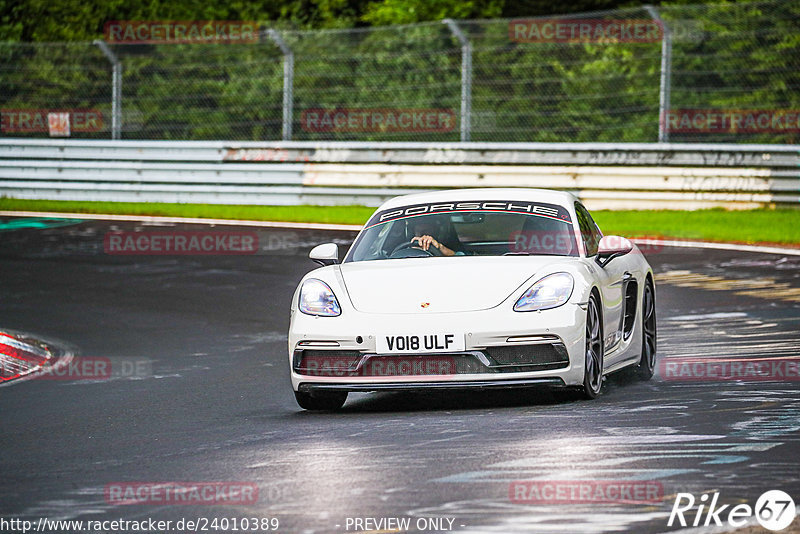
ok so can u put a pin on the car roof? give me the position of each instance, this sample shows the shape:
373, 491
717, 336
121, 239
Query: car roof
549, 196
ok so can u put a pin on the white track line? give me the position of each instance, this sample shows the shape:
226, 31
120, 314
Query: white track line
357, 227
719, 246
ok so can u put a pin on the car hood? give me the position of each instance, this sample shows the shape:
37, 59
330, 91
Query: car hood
438, 285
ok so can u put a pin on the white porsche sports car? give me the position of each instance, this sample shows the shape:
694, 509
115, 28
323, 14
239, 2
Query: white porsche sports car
472, 288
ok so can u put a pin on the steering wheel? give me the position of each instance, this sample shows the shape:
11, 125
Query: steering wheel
415, 246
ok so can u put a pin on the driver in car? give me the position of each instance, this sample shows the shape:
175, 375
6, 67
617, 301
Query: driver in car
424, 229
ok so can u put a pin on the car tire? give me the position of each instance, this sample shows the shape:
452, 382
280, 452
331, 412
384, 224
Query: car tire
593, 363
647, 364
327, 401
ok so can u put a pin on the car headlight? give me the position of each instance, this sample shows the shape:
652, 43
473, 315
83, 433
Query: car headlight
550, 292
316, 298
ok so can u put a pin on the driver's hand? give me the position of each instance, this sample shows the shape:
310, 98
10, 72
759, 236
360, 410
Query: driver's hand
425, 241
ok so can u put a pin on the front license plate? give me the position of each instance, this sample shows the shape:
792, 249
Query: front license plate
419, 343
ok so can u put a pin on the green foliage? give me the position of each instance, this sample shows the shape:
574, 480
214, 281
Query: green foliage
11, 20
83, 20
411, 11
725, 56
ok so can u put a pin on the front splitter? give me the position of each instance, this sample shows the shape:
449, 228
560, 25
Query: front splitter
308, 387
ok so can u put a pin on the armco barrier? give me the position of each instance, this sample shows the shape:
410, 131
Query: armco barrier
604, 175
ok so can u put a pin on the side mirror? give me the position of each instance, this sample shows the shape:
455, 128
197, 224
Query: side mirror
325, 254
612, 246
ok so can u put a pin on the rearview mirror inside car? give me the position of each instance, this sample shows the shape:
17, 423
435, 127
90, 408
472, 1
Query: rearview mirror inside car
467, 218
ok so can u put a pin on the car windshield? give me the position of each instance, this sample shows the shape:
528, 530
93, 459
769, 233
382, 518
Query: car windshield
482, 228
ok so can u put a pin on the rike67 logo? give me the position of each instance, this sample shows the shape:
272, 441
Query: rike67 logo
774, 510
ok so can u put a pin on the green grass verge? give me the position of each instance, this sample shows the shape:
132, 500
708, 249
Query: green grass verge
749, 226
319, 214
746, 226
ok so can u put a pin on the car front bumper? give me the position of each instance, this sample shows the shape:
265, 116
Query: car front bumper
346, 346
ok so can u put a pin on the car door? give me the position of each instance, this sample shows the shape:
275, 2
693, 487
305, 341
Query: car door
611, 280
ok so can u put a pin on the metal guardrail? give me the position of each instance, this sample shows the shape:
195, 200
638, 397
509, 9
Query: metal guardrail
723, 155
285, 173
522, 154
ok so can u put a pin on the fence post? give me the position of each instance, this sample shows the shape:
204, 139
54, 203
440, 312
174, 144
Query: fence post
466, 78
665, 85
116, 88
288, 82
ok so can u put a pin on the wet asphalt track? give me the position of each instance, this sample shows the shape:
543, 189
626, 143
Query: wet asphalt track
213, 400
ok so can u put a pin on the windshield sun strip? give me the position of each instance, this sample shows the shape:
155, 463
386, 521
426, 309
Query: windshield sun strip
569, 222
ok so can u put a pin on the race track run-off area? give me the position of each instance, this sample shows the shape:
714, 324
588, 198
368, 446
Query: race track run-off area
180, 374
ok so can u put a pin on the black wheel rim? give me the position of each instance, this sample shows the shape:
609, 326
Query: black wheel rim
594, 348
649, 348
